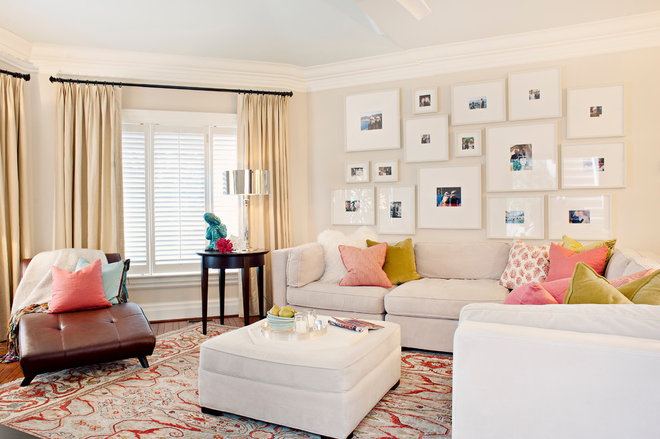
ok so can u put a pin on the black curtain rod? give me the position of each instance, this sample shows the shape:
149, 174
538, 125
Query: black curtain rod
25, 76
172, 87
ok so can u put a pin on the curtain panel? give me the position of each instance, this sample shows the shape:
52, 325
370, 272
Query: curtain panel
262, 131
14, 225
88, 168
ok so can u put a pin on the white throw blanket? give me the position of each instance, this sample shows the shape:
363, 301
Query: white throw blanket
37, 283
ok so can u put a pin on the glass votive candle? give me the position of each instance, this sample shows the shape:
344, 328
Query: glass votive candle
300, 323
311, 318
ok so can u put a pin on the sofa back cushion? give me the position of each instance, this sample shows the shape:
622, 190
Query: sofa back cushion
461, 260
626, 261
305, 264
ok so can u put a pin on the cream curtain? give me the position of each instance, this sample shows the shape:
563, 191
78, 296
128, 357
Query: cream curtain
262, 131
14, 226
88, 169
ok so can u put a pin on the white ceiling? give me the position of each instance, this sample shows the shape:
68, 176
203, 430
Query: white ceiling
299, 32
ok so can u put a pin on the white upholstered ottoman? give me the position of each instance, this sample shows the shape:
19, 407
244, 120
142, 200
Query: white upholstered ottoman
324, 385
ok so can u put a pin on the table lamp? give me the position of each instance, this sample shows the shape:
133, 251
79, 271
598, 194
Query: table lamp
244, 182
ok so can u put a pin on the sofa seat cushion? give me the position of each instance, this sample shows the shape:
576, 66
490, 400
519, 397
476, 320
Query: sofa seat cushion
331, 296
442, 298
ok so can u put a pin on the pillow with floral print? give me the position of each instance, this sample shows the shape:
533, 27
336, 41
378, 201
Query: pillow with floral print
527, 263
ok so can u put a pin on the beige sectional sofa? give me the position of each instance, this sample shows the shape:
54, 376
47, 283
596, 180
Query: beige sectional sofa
453, 275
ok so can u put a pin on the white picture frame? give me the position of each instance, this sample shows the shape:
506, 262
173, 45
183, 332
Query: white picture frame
396, 210
353, 206
467, 143
427, 139
516, 217
386, 171
373, 121
595, 112
425, 100
535, 94
581, 217
534, 167
601, 165
438, 208
357, 172
479, 102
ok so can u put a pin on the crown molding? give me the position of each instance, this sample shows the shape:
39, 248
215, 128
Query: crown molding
105, 63
15, 51
608, 36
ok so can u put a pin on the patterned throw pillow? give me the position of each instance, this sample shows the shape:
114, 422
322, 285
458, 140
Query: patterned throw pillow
527, 263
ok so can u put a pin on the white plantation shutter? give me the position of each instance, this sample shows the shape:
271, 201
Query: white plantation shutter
225, 158
134, 147
179, 187
172, 175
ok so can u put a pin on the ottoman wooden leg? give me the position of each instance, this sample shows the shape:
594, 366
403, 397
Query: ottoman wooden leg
26, 381
396, 385
328, 437
143, 361
212, 412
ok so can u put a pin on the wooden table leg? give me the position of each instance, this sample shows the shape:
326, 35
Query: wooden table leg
222, 296
260, 290
246, 292
205, 295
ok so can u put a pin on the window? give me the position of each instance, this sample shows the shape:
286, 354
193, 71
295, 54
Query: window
173, 165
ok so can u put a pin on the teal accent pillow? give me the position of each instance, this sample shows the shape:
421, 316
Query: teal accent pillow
114, 279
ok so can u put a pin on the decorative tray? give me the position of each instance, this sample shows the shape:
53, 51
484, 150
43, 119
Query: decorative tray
266, 331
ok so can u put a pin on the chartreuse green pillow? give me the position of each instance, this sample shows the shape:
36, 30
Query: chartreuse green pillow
399, 261
577, 246
587, 286
643, 291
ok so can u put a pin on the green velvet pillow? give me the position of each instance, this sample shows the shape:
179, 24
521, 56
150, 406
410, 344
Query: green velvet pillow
588, 287
643, 291
399, 261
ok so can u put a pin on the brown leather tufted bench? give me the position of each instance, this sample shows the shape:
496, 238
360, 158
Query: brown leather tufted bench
49, 342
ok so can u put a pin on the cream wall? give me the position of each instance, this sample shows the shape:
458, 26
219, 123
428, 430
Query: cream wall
169, 297
635, 209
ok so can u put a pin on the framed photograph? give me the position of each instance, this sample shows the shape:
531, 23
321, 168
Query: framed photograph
535, 94
467, 143
478, 103
593, 165
425, 100
595, 112
450, 198
357, 172
373, 121
427, 139
580, 217
386, 171
396, 210
516, 217
353, 206
522, 158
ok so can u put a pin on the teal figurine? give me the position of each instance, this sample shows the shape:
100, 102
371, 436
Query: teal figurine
215, 230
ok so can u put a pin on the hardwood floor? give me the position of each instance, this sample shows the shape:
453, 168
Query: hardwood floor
12, 371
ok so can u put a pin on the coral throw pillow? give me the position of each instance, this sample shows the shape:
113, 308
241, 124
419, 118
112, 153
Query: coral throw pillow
527, 263
78, 290
365, 266
530, 294
564, 260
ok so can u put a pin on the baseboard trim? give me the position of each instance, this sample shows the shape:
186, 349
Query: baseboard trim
191, 309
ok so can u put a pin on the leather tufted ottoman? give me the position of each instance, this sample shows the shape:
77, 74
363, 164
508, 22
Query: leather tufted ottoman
49, 342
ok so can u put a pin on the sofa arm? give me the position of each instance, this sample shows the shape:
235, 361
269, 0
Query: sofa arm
513, 381
279, 260
638, 321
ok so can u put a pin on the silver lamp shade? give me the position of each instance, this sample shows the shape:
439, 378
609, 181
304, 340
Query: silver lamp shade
246, 182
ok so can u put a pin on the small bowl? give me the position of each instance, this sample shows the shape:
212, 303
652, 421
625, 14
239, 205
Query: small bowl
277, 323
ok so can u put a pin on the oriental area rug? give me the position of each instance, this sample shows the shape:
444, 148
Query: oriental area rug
123, 400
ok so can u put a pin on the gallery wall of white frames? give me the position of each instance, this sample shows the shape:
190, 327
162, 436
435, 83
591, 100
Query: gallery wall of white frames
514, 125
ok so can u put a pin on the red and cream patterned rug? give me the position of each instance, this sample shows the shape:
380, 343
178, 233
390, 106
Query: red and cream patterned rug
123, 400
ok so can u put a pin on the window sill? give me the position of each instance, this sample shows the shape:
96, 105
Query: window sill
177, 280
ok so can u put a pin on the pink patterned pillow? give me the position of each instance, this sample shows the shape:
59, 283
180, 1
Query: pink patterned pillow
527, 263
365, 266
